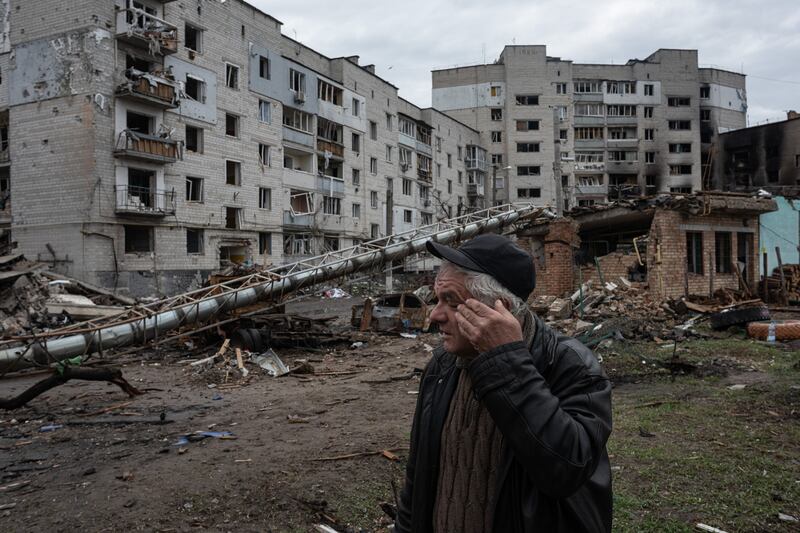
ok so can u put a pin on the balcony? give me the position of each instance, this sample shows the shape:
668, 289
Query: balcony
336, 149
408, 140
622, 143
423, 148
623, 167
621, 120
591, 190
624, 190
298, 137
476, 164
424, 174
475, 189
290, 219
145, 201
589, 121
133, 145
587, 97
330, 185
149, 88
590, 167
139, 28
589, 143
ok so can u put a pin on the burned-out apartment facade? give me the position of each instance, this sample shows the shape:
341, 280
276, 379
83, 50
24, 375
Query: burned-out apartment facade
149, 142
591, 133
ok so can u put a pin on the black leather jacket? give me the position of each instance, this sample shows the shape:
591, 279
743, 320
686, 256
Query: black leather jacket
552, 402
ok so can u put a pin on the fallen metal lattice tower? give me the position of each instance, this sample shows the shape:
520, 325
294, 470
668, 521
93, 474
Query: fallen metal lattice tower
146, 323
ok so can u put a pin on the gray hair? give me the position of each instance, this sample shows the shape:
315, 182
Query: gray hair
487, 289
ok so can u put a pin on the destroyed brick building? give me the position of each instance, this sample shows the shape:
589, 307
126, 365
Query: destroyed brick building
155, 141
678, 245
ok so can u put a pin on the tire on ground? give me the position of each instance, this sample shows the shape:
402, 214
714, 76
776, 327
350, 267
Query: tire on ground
241, 339
258, 342
785, 330
739, 316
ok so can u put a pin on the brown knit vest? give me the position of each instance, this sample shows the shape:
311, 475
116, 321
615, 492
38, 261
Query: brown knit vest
468, 463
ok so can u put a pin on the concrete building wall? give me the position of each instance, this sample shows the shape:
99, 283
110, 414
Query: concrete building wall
781, 229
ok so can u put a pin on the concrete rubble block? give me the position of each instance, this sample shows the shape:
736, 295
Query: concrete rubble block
560, 309
541, 304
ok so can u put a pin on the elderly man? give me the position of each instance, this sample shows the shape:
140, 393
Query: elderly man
512, 419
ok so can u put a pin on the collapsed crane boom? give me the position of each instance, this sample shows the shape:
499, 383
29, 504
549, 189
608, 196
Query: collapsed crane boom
145, 323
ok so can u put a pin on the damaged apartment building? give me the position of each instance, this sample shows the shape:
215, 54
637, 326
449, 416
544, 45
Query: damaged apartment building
155, 141
591, 133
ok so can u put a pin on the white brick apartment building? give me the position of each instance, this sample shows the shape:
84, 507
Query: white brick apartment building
598, 131
150, 142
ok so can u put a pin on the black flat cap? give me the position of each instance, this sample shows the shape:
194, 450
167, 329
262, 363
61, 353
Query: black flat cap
494, 255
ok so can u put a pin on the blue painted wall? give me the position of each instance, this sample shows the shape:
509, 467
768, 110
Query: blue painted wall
277, 87
781, 228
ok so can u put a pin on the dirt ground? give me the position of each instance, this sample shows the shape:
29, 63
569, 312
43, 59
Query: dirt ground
686, 448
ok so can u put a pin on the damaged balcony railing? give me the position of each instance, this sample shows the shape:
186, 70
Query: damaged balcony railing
148, 147
140, 28
476, 164
336, 149
475, 189
623, 190
145, 201
206, 308
149, 87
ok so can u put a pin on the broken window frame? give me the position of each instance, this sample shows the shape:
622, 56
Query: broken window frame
406, 126
232, 120
264, 112
529, 192
356, 210
723, 252
388, 153
649, 134
327, 92
622, 156
587, 87
495, 91
331, 205
233, 178
497, 137
405, 156
620, 110
198, 145
526, 99
265, 198
264, 67
198, 33
373, 199
198, 95
694, 252
680, 170
194, 189
297, 119
265, 155
301, 203
296, 244
529, 170
705, 115
620, 87
649, 89
648, 111
264, 243
589, 157
373, 166
679, 125
496, 114
297, 81
232, 76
560, 87
528, 147
408, 216
586, 109
330, 243
197, 240
356, 176
527, 125
705, 92
234, 217
406, 187
680, 148
679, 101
588, 133
138, 245
649, 158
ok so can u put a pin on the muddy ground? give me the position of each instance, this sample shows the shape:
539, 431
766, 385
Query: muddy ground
718, 446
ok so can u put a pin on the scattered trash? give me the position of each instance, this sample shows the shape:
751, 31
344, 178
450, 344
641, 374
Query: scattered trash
408, 335
322, 528
127, 475
297, 419
216, 397
787, 518
49, 428
710, 529
201, 435
738, 386
357, 345
271, 363
335, 293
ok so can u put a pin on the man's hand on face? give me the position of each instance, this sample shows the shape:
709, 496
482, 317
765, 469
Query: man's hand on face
486, 327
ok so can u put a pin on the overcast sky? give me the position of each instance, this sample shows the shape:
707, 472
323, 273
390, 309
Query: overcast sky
407, 39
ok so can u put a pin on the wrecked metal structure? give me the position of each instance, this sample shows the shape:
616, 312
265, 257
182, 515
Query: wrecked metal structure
677, 244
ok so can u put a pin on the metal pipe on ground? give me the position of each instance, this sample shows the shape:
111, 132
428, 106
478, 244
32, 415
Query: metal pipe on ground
43, 352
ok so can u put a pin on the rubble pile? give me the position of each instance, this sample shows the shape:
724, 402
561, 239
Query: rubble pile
33, 299
791, 275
